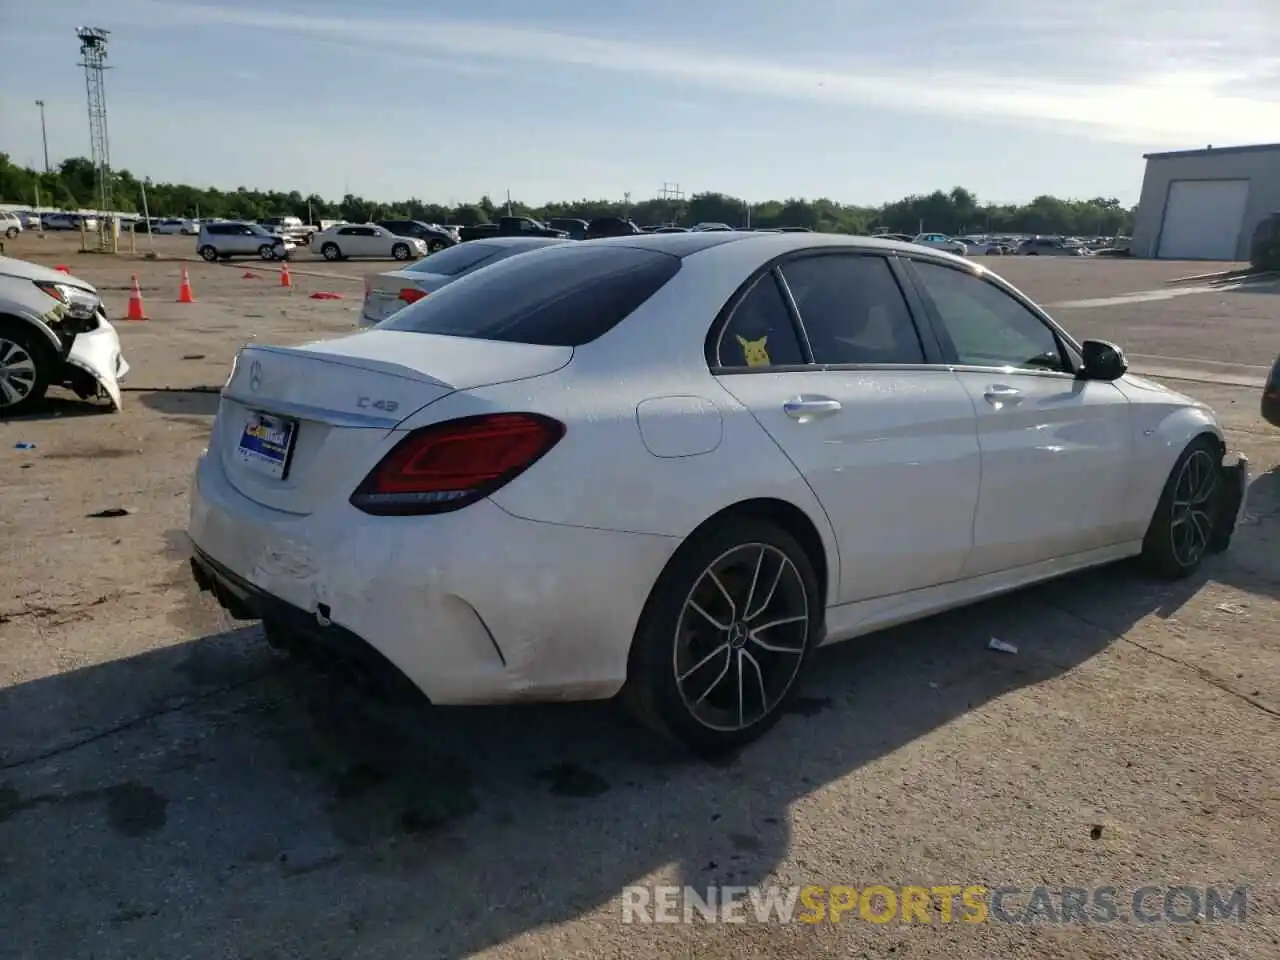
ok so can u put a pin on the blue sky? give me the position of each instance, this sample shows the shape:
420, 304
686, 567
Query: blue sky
859, 100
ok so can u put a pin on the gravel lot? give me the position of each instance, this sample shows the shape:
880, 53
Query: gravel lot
169, 787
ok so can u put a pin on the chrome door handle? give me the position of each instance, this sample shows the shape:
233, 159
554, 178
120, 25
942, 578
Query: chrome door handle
807, 408
998, 394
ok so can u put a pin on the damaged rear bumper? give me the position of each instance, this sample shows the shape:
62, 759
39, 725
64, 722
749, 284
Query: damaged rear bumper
1234, 478
310, 636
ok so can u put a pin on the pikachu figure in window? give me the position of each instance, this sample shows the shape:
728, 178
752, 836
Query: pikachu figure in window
755, 351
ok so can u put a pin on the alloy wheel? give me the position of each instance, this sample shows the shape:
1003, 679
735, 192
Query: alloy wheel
1191, 518
741, 637
17, 373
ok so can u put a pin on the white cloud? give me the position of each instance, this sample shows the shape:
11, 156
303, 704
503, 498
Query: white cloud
1174, 91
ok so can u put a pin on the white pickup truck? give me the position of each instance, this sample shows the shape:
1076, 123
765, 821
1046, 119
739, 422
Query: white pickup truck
291, 228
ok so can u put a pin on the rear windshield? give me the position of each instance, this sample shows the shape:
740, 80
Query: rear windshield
563, 296
451, 262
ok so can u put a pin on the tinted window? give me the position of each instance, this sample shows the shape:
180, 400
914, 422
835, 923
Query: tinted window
987, 326
853, 310
760, 332
451, 262
566, 295
349, 232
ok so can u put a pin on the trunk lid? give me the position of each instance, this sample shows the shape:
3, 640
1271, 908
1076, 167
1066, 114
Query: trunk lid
338, 404
382, 291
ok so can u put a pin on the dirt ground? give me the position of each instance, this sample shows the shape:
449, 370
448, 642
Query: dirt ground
170, 787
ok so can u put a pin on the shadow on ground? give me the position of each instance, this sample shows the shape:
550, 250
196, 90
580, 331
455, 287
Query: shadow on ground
198, 401
59, 404
216, 794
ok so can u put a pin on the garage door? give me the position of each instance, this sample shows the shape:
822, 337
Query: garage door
1202, 219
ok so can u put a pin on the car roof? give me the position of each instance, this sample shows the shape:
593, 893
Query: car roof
768, 245
530, 242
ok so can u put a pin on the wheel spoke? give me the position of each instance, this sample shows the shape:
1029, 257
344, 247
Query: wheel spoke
698, 608
782, 622
733, 607
764, 697
776, 647
742, 688
1202, 524
703, 662
751, 590
768, 599
728, 662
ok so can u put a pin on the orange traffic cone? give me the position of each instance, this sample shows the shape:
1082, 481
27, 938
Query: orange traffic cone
184, 291
285, 279
136, 311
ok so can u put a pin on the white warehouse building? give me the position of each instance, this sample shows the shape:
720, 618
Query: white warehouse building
1206, 204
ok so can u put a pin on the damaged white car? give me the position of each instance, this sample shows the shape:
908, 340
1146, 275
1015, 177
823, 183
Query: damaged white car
53, 332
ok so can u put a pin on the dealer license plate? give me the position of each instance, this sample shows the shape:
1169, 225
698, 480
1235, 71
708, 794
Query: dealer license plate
266, 444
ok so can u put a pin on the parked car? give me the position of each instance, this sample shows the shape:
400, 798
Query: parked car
558, 478
611, 227
940, 241
174, 226
53, 332
10, 225
574, 227
68, 221
29, 218
528, 227
240, 238
899, 237
1053, 247
477, 231
1271, 396
291, 228
348, 240
436, 238
385, 293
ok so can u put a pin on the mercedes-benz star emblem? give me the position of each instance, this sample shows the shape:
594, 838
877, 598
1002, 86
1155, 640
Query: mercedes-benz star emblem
255, 376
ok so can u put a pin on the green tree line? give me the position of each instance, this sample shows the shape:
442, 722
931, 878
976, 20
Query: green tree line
73, 186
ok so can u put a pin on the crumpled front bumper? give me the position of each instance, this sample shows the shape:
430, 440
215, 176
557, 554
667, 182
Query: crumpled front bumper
1231, 505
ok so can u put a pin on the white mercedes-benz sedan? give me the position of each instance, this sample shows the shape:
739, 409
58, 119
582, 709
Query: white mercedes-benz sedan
672, 466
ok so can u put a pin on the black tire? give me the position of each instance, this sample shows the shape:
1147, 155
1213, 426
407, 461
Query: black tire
653, 693
16, 339
400, 251
435, 246
330, 251
267, 251
209, 253
1169, 550
11, 233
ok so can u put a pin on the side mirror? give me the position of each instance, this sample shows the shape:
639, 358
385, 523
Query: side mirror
1102, 360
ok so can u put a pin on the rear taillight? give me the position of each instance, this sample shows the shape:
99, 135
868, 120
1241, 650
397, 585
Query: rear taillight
449, 465
411, 294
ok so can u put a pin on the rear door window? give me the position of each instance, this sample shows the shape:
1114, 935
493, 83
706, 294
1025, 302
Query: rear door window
451, 262
563, 296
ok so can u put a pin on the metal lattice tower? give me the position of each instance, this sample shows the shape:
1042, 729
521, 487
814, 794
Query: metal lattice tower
93, 50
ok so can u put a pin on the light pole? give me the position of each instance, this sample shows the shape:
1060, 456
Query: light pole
44, 136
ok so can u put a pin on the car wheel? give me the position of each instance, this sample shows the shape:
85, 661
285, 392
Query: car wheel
267, 252
209, 254
400, 251
331, 251
26, 368
11, 233
1182, 527
435, 246
725, 636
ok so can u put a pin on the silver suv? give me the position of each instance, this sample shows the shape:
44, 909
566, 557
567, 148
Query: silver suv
237, 238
